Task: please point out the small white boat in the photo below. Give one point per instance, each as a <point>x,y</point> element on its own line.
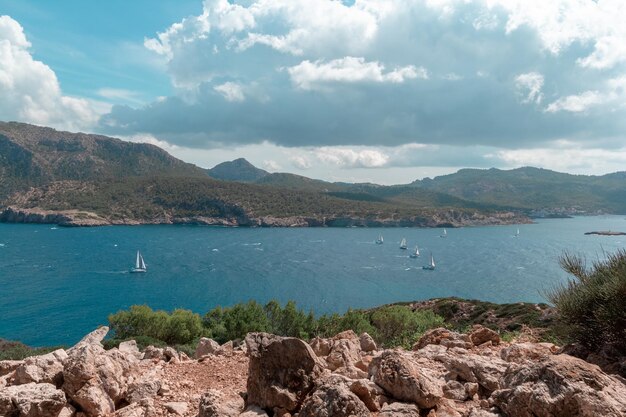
<point>445,233</point>
<point>416,254</point>
<point>380,240</point>
<point>403,244</point>
<point>517,233</point>
<point>431,265</point>
<point>140,265</point>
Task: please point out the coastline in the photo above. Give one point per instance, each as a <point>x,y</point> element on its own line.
<point>443,218</point>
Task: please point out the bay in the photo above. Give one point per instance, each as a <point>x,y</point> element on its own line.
<point>56,284</point>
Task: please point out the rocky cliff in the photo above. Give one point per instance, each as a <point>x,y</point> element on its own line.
<point>444,374</point>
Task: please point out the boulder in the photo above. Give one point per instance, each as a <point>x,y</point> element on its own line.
<point>281,372</point>
<point>320,346</point>
<point>215,404</point>
<point>484,370</point>
<point>522,352</point>
<point>205,347</point>
<point>32,400</point>
<point>253,411</point>
<point>94,338</point>
<point>560,386</point>
<point>367,343</point>
<point>179,408</point>
<point>7,367</point>
<point>333,399</point>
<point>44,368</point>
<point>402,378</point>
<point>371,394</point>
<point>171,355</point>
<point>346,335</point>
<point>153,353</point>
<point>147,386</point>
<point>481,334</point>
<point>343,353</point>
<point>479,412</point>
<point>130,347</point>
<point>399,410</point>
<point>454,390</point>
<point>442,336</point>
<point>144,408</point>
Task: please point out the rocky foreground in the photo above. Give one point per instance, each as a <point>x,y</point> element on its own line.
<point>446,374</point>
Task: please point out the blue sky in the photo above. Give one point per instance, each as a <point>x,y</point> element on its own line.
<point>372,90</point>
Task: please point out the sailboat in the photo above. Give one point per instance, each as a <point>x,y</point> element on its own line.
<point>140,265</point>
<point>517,233</point>
<point>403,244</point>
<point>445,233</point>
<point>415,254</point>
<point>431,266</point>
<point>380,240</point>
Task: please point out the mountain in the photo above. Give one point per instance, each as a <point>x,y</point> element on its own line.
<point>237,170</point>
<point>531,188</point>
<point>34,156</point>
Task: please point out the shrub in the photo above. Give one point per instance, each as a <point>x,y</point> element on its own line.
<point>592,303</point>
<point>399,326</point>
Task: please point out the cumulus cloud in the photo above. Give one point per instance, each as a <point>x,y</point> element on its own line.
<point>351,158</point>
<point>332,73</point>
<point>30,90</point>
<point>307,75</point>
<point>530,85</point>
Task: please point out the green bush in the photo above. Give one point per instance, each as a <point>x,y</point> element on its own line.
<point>179,327</point>
<point>592,303</point>
<point>399,326</point>
<point>10,350</point>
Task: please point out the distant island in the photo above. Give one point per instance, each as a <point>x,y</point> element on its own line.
<point>606,233</point>
<point>77,179</point>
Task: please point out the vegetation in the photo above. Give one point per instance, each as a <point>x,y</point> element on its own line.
<point>10,350</point>
<point>592,303</point>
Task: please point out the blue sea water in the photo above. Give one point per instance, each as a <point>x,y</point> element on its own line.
<point>56,283</point>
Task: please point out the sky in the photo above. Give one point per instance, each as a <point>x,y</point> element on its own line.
<point>384,91</point>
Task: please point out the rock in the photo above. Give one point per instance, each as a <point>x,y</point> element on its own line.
<point>96,379</point>
<point>454,390</point>
<point>401,377</point>
<point>67,411</point>
<point>333,400</point>
<point>351,372</point>
<point>32,400</point>
<point>171,355</point>
<point>253,411</point>
<point>144,408</point>
<point>178,408</point>
<point>214,404</point>
<point>479,412</point>
<point>442,336</point>
<point>399,410</point>
<point>152,352</point>
<point>320,346</point>
<point>205,347</point>
<point>367,343</point>
<point>521,352</point>
<point>471,388</point>
<point>130,347</point>
<point>343,353</point>
<point>282,371</point>
<point>7,367</point>
<point>560,386</point>
<point>148,386</point>
<point>481,334</point>
<point>94,338</point>
<point>227,348</point>
<point>371,394</point>
<point>484,370</point>
<point>346,335</point>
<point>446,408</point>
<point>44,368</point>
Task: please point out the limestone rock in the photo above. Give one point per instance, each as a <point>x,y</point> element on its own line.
<point>214,404</point>
<point>367,343</point>
<point>130,347</point>
<point>371,394</point>
<point>454,390</point>
<point>442,336</point>
<point>152,352</point>
<point>253,411</point>
<point>481,334</point>
<point>400,376</point>
<point>320,346</point>
<point>521,352</point>
<point>479,412</point>
<point>148,386</point>
<point>171,355</point>
<point>144,408</point>
<point>178,408</point>
<point>7,367</point>
<point>346,335</point>
<point>399,410</point>
<point>205,347</point>
<point>484,370</point>
<point>343,353</point>
<point>32,400</point>
<point>94,338</point>
<point>560,386</point>
<point>333,400</point>
<point>282,371</point>
<point>44,368</point>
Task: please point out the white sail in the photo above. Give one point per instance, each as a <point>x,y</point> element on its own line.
<point>139,261</point>
<point>403,244</point>
<point>380,239</point>
<point>432,261</point>
<point>517,233</point>
<point>445,232</point>
<point>417,251</point>
<point>142,263</point>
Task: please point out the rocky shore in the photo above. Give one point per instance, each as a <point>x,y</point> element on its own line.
<point>443,218</point>
<point>445,374</point>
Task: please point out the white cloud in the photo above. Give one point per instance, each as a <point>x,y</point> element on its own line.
<point>30,90</point>
<point>351,158</point>
<point>120,94</point>
<point>231,91</point>
<point>152,140</point>
<point>530,85</point>
<point>271,165</point>
<point>300,162</point>
<point>307,75</point>
<point>576,103</point>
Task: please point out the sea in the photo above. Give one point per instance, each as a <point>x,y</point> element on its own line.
<point>57,283</point>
